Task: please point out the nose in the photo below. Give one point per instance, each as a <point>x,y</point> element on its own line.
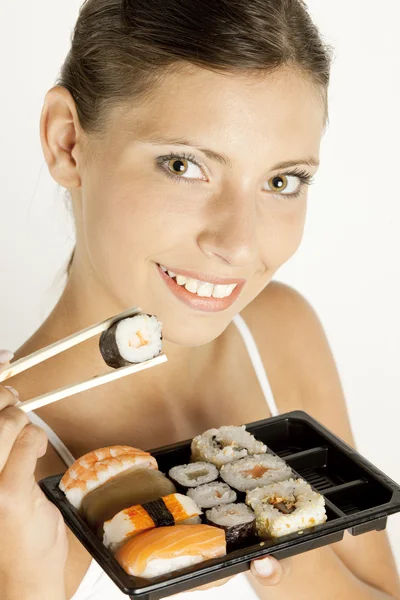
<point>231,231</point>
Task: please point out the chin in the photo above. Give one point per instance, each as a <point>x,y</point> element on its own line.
<point>184,330</point>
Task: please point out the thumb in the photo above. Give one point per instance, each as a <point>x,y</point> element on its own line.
<point>5,357</point>
<point>268,571</point>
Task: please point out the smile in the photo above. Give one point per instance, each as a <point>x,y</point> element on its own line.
<point>201,288</point>
<point>202,292</point>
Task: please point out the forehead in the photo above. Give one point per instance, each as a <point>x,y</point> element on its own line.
<point>282,112</point>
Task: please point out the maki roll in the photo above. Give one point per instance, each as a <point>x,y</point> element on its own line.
<point>255,471</point>
<point>212,494</point>
<point>131,340</point>
<point>237,520</point>
<point>166,549</point>
<point>169,510</point>
<point>194,474</point>
<point>224,445</point>
<point>286,507</point>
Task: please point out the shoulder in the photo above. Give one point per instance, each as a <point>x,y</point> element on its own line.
<point>297,356</point>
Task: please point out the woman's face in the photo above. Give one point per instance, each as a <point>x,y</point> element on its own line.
<point>207,180</point>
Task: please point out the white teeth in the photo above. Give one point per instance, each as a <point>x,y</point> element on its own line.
<point>219,291</point>
<point>192,285</point>
<point>181,280</point>
<point>201,288</point>
<point>229,289</point>
<point>205,289</point>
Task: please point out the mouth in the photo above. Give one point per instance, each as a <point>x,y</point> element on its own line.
<point>200,291</point>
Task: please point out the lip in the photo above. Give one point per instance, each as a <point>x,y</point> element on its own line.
<point>206,278</point>
<point>198,302</point>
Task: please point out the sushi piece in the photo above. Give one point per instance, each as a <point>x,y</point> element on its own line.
<point>134,486</point>
<point>255,471</point>
<point>212,494</point>
<point>224,445</point>
<point>131,340</point>
<point>166,549</point>
<point>194,474</point>
<point>165,511</point>
<point>237,520</point>
<point>96,467</point>
<point>286,507</point>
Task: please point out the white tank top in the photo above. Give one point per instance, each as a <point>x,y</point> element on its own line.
<point>96,585</point>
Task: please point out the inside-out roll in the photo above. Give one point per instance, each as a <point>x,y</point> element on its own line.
<point>255,471</point>
<point>224,445</point>
<point>286,507</point>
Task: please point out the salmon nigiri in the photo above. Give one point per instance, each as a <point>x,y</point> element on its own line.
<point>160,551</point>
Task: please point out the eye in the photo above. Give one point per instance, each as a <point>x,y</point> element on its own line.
<point>284,184</point>
<point>181,166</point>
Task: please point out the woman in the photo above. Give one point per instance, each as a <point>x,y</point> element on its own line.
<point>187,134</point>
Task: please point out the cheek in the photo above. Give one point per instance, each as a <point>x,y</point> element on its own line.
<point>282,233</point>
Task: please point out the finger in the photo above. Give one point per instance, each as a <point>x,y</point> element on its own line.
<point>208,586</point>
<point>268,571</point>
<point>12,422</point>
<point>8,396</point>
<point>18,473</point>
<point>5,357</point>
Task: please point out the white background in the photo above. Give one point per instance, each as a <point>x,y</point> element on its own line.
<point>348,263</point>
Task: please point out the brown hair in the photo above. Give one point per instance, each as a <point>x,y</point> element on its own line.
<point>120,48</point>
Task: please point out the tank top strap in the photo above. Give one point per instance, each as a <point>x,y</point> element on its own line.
<point>54,440</point>
<point>257,363</point>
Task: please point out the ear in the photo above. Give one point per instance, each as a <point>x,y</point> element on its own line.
<point>59,134</point>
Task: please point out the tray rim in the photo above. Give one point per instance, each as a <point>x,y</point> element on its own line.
<point>245,555</point>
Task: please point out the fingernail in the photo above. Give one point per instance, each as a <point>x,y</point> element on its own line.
<point>6,356</point>
<point>264,567</point>
<point>13,391</point>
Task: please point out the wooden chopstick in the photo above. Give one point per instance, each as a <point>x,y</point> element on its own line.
<point>70,390</point>
<point>73,340</point>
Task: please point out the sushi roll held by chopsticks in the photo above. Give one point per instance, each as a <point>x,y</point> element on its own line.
<point>131,340</point>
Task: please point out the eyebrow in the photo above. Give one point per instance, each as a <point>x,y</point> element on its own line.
<point>224,159</point>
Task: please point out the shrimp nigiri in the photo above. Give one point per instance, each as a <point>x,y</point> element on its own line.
<point>93,469</point>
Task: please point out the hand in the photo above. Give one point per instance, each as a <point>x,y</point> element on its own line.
<point>268,571</point>
<point>33,534</point>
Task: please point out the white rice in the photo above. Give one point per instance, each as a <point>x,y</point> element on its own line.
<point>139,338</point>
<point>224,445</point>
<point>212,494</point>
<point>194,474</point>
<point>270,521</point>
<point>230,515</point>
<point>259,470</point>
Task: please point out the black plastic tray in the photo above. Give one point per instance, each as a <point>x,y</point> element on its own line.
<point>358,496</point>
